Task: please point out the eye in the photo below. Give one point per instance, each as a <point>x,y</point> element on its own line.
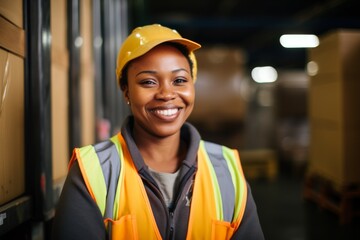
<point>147,82</point>
<point>180,80</point>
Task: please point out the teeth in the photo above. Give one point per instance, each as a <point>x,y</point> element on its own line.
<point>167,112</point>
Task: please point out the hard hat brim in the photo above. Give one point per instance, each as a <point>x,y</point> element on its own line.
<point>143,49</point>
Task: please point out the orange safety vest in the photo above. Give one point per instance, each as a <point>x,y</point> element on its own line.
<point>128,214</point>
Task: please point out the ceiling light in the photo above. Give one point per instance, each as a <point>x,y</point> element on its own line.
<point>299,41</point>
<point>266,74</point>
<point>312,68</point>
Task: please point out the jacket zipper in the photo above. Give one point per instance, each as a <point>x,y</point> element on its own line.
<point>173,206</point>
<point>147,178</point>
<point>181,187</point>
<point>171,223</point>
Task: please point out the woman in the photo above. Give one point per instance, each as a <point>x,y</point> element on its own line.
<point>156,179</point>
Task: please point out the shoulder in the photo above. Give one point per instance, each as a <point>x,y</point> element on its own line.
<point>250,227</point>
<point>218,149</point>
<point>100,147</point>
<point>77,215</point>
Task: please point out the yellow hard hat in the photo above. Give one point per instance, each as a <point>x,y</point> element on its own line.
<point>143,39</point>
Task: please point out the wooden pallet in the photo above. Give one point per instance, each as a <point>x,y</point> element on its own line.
<point>343,201</point>
<point>259,163</point>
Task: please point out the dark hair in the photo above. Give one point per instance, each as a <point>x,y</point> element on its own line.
<point>178,46</point>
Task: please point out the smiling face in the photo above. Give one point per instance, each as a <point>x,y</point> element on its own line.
<point>160,90</point>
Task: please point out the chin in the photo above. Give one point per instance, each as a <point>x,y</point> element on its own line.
<point>167,131</point>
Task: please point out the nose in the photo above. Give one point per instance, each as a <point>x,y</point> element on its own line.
<point>166,92</point>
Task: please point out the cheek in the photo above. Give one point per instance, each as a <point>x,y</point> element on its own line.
<point>136,94</point>
<point>189,95</point>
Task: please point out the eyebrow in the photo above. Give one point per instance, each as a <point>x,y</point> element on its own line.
<point>179,70</point>
<point>146,71</point>
<point>154,72</point>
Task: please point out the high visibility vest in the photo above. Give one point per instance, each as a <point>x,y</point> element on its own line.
<point>218,200</point>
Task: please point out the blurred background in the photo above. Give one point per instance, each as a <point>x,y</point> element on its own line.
<point>291,111</point>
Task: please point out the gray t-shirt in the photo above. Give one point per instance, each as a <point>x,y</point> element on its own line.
<point>167,183</point>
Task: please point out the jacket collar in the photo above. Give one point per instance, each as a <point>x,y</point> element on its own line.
<point>188,133</point>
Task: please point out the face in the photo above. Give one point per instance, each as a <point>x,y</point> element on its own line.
<point>160,91</point>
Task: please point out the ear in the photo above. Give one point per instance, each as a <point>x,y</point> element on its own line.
<point>126,94</point>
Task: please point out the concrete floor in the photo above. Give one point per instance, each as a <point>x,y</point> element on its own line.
<point>285,215</point>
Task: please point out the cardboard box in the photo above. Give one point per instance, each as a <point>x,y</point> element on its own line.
<point>59,91</point>
<point>219,96</point>
<point>12,173</point>
<point>87,80</point>
<point>59,121</point>
<point>334,108</point>
<point>13,11</point>
<point>326,99</point>
<point>259,163</point>
<point>327,151</point>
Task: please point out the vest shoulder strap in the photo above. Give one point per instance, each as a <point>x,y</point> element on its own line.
<point>229,181</point>
<point>100,165</point>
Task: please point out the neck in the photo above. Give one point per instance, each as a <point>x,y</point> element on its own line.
<point>163,154</point>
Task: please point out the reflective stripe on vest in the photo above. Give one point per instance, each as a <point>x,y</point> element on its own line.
<point>217,205</point>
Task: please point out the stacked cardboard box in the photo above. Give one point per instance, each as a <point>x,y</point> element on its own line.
<point>59,90</point>
<point>12,45</point>
<point>334,111</point>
